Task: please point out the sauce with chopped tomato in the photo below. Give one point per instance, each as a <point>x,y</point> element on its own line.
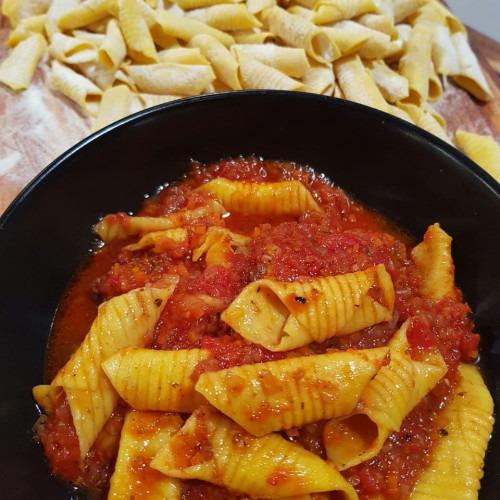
<point>344,238</point>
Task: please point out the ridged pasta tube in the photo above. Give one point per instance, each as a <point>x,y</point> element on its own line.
<point>113,50</point>
<point>197,4</point>
<point>123,321</point>
<point>26,28</point>
<point>115,104</point>
<point>71,50</point>
<point>405,8</point>
<point>160,240</point>
<point>483,149</point>
<point>226,17</point>
<point>143,435</point>
<point>261,198</point>
<point>282,316</point>
<point>396,389</point>
<point>444,53</point>
<point>119,226</point>
<point>219,242</point>
<point>435,263</point>
<point>319,79</point>
<point>17,70</point>
<point>17,10</point>
<point>392,85</point>
<point>149,379</point>
<point>456,463</point>
<point>267,397</point>
<point>347,41</point>
<point>88,12</point>
<point>212,448</point>
<point>331,11</point>
<point>425,120</point>
<point>299,32</point>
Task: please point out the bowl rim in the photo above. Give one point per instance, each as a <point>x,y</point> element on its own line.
<point>460,159</point>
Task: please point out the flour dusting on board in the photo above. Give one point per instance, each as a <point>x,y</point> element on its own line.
<point>37,126</point>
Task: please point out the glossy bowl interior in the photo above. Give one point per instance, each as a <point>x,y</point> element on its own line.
<point>403,172</point>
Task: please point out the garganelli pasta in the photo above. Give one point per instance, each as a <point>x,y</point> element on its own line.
<point>257,334</point>
<point>166,50</point>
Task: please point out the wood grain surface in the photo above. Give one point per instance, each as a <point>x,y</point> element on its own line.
<point>37,125</point>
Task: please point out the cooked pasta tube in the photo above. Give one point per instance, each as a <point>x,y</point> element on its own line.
<point>357,83</point>
<point>123,321</point>
<point>396,389</point>
<point>161,241</point>
<point>319,80</point>
<point>330,11</point>
<point>456,462</point>
<point>298,32</point>
<point>171,78</point>
<point>185,28</point>
<point>291,61</point>
<point>414,65</point>
<point>143,435</point>
<point>392,85</point>
<point>262,198</point>
<point>267,397</point>
<point>220,242</point>
<point>133,24</point>
<point>404,8</point>
<point>17,10</point>
<point>83,14</point>
<point>119,226</point>
<point>75,86</point>
<point>115,104</point>
<point>113,50</point>
<point>223,62</point>
<point>226,17</point>
<point>470,76</point>
<point>378,45</point>
<point>71,50</point>
<point>18,68</point>
<point>148,379</point>
<point>212,448</point>
<point>257,75</point>
<point>283,316</point>
<point>347,41</point>
<point>435,263</point>
<point>183,55</point>
<point>26,28</point>
<point>483,149</point>
<point>425,120</point>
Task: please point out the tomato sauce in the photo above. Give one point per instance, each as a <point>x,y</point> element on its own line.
<point>345,238</point>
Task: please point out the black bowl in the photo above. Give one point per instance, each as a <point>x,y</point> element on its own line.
<point>396,168</point>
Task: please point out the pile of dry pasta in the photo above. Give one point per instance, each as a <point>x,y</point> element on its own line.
<point>115,57</point>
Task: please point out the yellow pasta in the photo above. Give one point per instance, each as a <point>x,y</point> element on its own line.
<point>379,22</point>
<point>71,50</point>
<point>261,198</point>
<point>264,467</point>
<point>171,78</point>
<point>283,316</point>
<point>115,104</point>
<point>444,54</point>
<point>223,62</point>
<point>226,17</point>
<point>122,321</point>
<point>101,76</point>
<point>56,10</point>
<point>291,61</point>
<point>148,379</point>
<point>425,120</point>
<point>456,465</point>
<point>143,435</point>
<point>435,12</point>
<point>26,28</point>
<point>75,86</point>
<point>119,226</point>
<point>160,240</point>
<point>396,389</point>
<point>319,79</point>
<point>483,149</point>
<point>253,37</point>
<point>470,76</point>
<point>257,75</point>
<point>18,10</point>
<point>435,85</point>
<point>267,397</point>
<point>87,12</point>
<point>347,41</point>
<point>405,8</point>
<point>185,28</point>
<point>391,84</point>
<point>183,55</point>
<point>95,39</point>
<point>148,100</point>
<point>357,83</point>
<point>197,4</point>
<point>435,263</point>
<point>299,32</point>
<point>330,11</point>
<point>17,70</point>
<point>218,244</point>
<point>113,50</point>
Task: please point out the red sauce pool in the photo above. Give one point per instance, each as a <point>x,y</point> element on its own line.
<point>345,238</point>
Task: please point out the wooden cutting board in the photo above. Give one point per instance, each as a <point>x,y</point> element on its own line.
<point>38,125</point>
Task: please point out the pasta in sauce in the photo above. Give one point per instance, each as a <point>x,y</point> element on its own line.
<point>260,334</point>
